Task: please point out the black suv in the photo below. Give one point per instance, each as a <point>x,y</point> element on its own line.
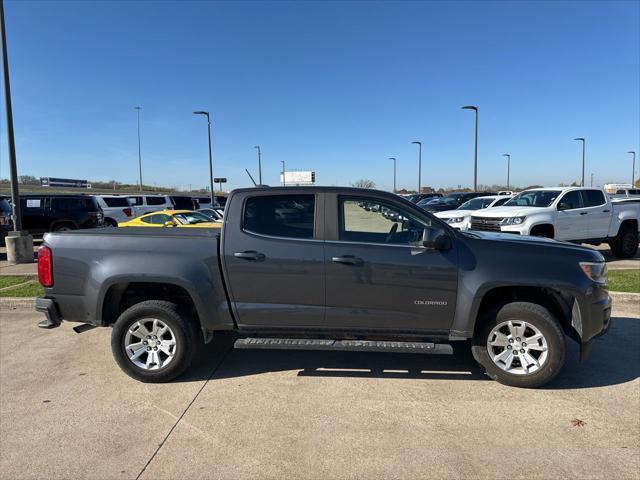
<point>57,213</point>
<point>450,201</point>
<point>418,197</point>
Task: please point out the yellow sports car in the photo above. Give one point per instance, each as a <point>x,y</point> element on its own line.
<point>172,218</point>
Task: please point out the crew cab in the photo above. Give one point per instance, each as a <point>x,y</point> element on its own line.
<point>576,214</point>
<point>333,276</point>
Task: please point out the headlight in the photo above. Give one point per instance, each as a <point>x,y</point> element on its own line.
<point>595,271</point>
<point>513,221</point>
<point>455,220</point>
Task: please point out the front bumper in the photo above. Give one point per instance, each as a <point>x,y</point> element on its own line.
<point>592,321</point>
<point>49,308</point>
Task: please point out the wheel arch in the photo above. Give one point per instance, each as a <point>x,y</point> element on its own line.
<point>559,303</point>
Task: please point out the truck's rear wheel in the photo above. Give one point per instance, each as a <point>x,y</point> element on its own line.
<point>625,244</point>
<point>521,345</point>
<point>154,341</point>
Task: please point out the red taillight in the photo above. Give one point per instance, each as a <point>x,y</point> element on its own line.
<point>127,211</point>
<point>45,269</point>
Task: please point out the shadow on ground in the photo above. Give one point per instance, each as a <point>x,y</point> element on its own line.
<point>614,359</point>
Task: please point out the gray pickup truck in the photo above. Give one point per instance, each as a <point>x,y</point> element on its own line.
<point>318,268</point>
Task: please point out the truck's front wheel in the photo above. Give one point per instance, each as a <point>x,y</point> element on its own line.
<point>154,341</point>
<point>520,345</point>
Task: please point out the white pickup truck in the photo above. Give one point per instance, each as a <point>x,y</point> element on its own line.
<point>577,214</point>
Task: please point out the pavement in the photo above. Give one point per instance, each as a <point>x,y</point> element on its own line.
<point>67,411</point>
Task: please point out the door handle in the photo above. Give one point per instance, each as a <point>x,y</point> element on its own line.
<point>606,211</point>
<point>250,255</point>
<point>583,213</point>
<point>347,260</point>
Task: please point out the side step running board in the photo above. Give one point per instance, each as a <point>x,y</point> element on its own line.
<point>344,345</point>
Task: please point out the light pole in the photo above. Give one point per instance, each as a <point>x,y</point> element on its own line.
<point>583,149</point>
<point>508,166</point>
<point>284,181</point>
<point>19,243</point>
<point>210,157</point>
<point>139,149</point>
<point>591,180</point>
<point>475,154</point>
<point>419,165</point>
<point>394,173</point>
<point>259,165</point>
<point>633,170</point>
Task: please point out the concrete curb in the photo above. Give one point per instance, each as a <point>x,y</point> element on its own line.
<point>17,303</point>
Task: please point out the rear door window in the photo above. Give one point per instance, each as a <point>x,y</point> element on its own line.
<point>593,198</point>
<point>289,216</point>
<point>135,200</point>
<point>116,201</point>
<point>155,201</point>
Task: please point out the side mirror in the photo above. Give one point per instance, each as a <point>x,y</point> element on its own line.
<point>564,206</point>
<point>435,239</point>
<point>169,223</point>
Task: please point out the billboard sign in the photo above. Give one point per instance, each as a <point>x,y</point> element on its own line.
<point>64,182</point>
<point>298,178</point>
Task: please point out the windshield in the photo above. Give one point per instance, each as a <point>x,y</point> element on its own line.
<point>191,218</point>
<point>449,199</point>
<point>476,204</point>
<point>533,198</point>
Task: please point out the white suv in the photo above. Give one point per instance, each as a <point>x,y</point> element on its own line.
<point>116,208</point>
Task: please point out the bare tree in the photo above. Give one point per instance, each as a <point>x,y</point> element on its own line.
<point>364,183</point>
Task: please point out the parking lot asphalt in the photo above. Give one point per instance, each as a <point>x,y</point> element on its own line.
<point>66,411</point>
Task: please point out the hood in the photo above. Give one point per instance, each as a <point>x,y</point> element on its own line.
<point>514,211</point>
<point>454,213</point>
<point>439,207</point>
<point>589,253</point>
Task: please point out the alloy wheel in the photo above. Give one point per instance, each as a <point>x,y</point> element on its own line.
<point>150,344</point>
<point>517,347</point>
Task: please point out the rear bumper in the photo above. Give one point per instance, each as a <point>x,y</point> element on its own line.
<point>50,309</point>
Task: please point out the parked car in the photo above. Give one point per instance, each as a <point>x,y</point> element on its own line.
<point>417,197</point>
<point>460,218</point>
<point>6,225</point>
<point>116,209</point>
<point>172,218</point>
<point>152,203</point>
<point>57,213</point>
<point>450,201</point>
<point>577,214</point>
<point>627,193</point>
<point>214,214</point>
<point>333,279</point>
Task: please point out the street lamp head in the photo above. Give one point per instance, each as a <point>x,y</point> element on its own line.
<point>137,108</point>
<point>417,143</point>
<point>506,155</point>
<point>470,107</point>
<point>631,151</point>
<point>392,158</point>
<point>579,138</point>
<point>201,112</point>
<point>257,146</point>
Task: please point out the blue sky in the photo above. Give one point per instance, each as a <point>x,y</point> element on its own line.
<point>336,87</point>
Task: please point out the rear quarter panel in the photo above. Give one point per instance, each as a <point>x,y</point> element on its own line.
<point>87,263</point>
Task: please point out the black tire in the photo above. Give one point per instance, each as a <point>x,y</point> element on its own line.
<point>540,318</point>
<point>110,222</point>
<point>63,227</point>
<point>625,244</point>
<point>183,327</point>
